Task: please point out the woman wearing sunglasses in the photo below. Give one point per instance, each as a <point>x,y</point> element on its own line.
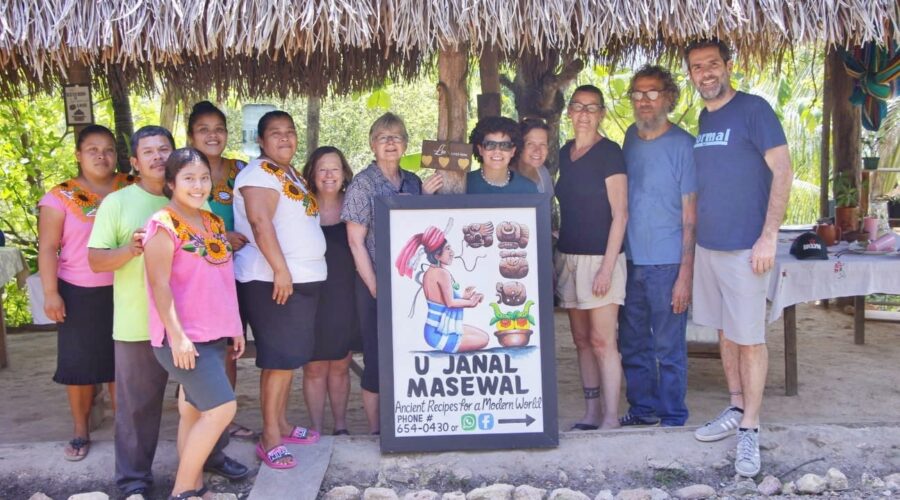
<point>497,141</point>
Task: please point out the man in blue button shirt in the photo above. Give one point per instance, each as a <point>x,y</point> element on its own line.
<point>662,202</point>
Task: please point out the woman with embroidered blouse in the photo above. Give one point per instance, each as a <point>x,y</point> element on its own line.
<point>280,274</point>
<point>77,299</point>
<point>208,133</point>
<point>192,311</point>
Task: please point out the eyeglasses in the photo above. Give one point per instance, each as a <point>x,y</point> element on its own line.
<point>577,107</point>
<point>503,145</point>
<point>384,139</point>
<point>653,95</point>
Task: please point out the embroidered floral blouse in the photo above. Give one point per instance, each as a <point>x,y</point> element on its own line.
<point>79,204</point>
<point>221,198</point>
<point>202,278</point>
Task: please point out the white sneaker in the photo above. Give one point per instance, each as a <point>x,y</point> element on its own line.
<point>747,461</point>
<point>720,427</point>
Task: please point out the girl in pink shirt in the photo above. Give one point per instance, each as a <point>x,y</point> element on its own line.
<point>77,299</point>
<point>192,311</point>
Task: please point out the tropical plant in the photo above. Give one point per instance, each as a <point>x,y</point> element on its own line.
<point>846,194</point>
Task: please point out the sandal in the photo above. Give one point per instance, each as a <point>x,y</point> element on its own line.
<point>185,495</point>
<point>72,451</point>
<point>301,435</point>
<point>340,432</point>
<point>238,431</point>
<point>277,453</point>
<point>584,427</point>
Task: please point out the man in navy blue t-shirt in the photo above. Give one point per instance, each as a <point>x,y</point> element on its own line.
<point>743,184</point>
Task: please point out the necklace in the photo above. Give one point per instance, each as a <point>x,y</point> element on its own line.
<point>508,177</point>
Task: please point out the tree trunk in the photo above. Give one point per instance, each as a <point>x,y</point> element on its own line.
<point>538,89</point>
<point>846,125</point>
<point>313,109</point>
<point>489,72</point>
<point>78,74</point>
<point>453,102</point>
<point>168,109</point>
<point>118,94</point>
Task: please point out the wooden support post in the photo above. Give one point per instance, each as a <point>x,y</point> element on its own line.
<point>4,357</point>
<point>825,160</point>
<point>859,319</point>
<point>313,111</point>
<point>790,351</point>
<point>489,71</point>
<point>453,102</point>
<point>77,73</point>
<point>845,119</point>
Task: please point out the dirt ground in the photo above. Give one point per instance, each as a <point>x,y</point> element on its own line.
<point>840,382</point>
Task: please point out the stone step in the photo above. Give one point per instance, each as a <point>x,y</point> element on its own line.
<point>301,482</point>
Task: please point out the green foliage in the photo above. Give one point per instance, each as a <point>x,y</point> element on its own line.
<point>845,192</point>
<point>36,153</point>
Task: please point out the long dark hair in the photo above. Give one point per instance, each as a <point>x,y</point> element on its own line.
<point>177,161</point>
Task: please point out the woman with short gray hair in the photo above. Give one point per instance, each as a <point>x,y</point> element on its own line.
<point>388,140</point>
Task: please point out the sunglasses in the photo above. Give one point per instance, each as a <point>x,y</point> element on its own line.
<point>503,145</point>
<point>653,95</point>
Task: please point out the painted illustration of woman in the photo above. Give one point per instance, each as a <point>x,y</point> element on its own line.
<point>444,329</point>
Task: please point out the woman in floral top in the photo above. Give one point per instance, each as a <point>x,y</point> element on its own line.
<point>79,300</point>
<point>192,311</point>
<point>280,273</point>
<point>208,133</point>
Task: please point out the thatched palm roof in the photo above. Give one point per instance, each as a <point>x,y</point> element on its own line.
<point>303,46</point>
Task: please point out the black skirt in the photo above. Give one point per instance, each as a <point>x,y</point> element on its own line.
<point>337,326</point>
<point>84,340</point>
<point>283,333</point>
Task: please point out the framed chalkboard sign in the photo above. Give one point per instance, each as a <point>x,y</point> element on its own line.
<point>465,322</point>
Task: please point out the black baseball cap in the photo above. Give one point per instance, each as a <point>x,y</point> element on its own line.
<point>809,246</point>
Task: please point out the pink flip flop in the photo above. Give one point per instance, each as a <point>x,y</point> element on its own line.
<point>301,435</point>
<point>277,453</point>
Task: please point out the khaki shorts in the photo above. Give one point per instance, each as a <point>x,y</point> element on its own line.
<point>728,296</point>
<point>575,281</point>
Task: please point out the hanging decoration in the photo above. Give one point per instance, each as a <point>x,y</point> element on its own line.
<point>877,73</point>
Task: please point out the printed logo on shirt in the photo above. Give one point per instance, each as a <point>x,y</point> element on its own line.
<point>713,139</point>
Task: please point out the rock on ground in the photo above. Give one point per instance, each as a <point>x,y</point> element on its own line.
<point>635,494</point>
<point>695,492</point>
<point>604,495</point>
<point>567,494</point>
<point>789,488</point>
<point>93,495</point>
<point>39,496</point>
<point>658,494</point>
<point>454,495</point>
<point>342,493</point>
<point>892,481</point>
<point>836,480</point>
<point>742,488</point>
<point>770,485</point>
<point>379,494</point>
<point>811,484</point>
<point>872,481</point>
<point>422,495</point>
<point>658,464</point>
<point>527,492</point>
<point>497,491</point>
<point>224,496</point>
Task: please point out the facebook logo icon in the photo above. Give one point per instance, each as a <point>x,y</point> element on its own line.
<point>485,421</point>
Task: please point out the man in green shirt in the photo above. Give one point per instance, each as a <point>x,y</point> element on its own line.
<point>115,246</point>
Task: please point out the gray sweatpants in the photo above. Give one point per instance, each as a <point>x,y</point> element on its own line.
<point>140,389</point>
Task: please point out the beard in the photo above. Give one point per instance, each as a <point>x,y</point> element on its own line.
<point>715,92</point>
<point>650,124</point>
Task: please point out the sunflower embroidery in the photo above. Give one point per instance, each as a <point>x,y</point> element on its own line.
<point>82,202</point>
<point>212,246</point>
<point>223,192</point>
<point>297,191</point>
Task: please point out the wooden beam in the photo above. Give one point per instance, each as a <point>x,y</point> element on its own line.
<point>845,119</point>
<point>77,73</point>
<point>313,111</point>
<point>489,73</point>
<point>453,103</point>
<point>118,93</point>
<point>825,155</point>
